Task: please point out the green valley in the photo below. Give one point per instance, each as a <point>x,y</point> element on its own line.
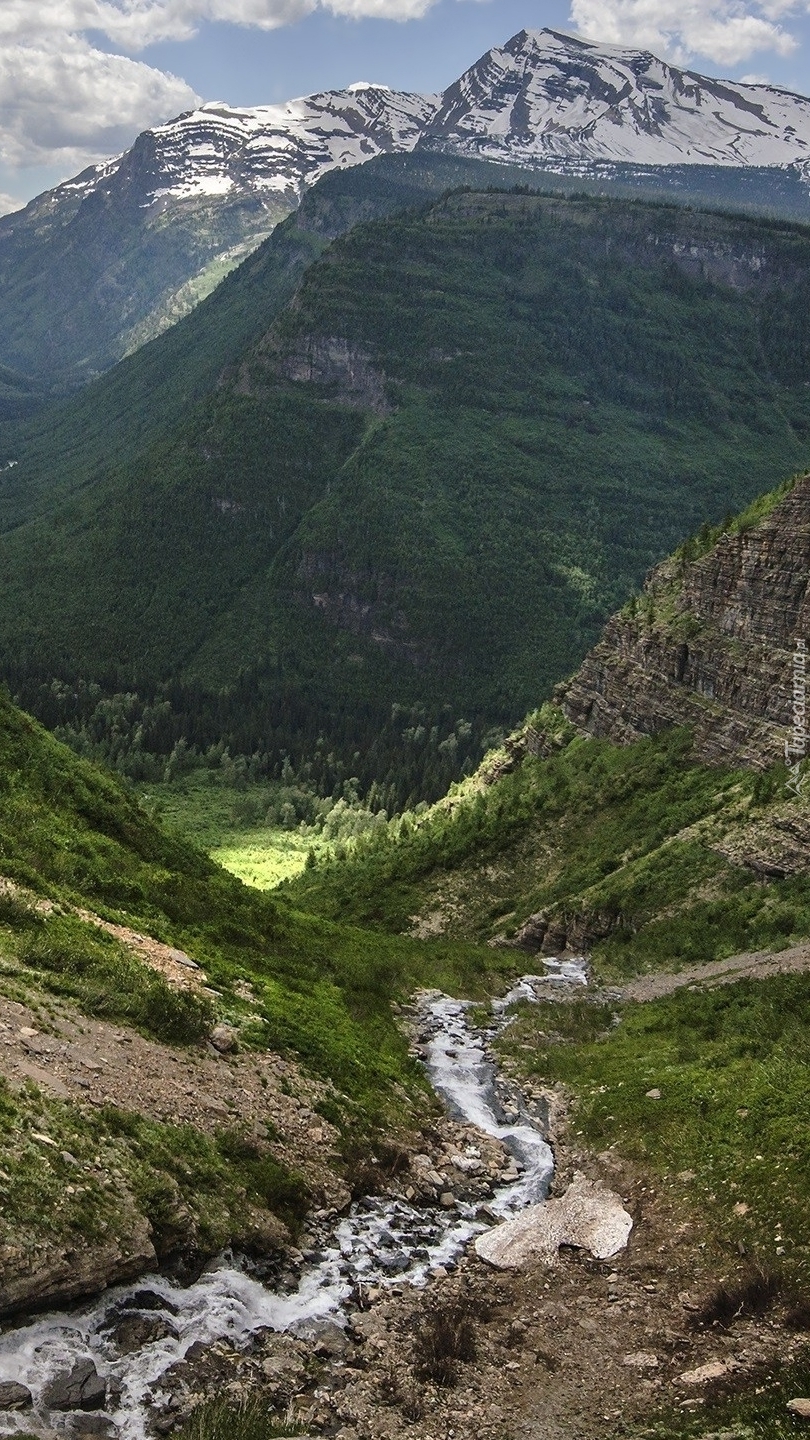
<point>661,850</point>
<point>404,835</point>
<point>639,844</point>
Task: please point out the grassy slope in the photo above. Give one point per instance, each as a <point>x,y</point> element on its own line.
<point>198,1193</point>
<point>617,844</point>
<point>733,1068</point>
<point>728,1141</point>
<point>323,993</point>
<point>567,406</point>
<point>72,834</point>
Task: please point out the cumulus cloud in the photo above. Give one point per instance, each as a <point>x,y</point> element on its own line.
<point>134,24</point>
<point>380,9</point>
<point>723,31</point>
<point>63,101</point>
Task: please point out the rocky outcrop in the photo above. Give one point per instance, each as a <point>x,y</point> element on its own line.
<point>557,933</point>
<point>57,1276</point>
<point>710,644</point>
<point>347,372</point>
<point>365,603</point>
<point>133,1332</point>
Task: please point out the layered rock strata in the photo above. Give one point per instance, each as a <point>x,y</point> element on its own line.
<point>717,644</point>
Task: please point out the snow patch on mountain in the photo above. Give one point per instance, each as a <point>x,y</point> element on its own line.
<point>545,100</point>
<point>285,148</point>
<point>367,85</point>
<point>548,97</point>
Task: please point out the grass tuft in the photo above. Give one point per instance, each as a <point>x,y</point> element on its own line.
<point>445,1338</point>
<point>222,1420</point>
<point>754,1294</point>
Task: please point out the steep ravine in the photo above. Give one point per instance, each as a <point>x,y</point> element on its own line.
<point>117,1359</point>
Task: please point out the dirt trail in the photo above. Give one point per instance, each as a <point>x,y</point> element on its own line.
<point>174,965</point>
<point>92,1063</point>
<point>755,965</point>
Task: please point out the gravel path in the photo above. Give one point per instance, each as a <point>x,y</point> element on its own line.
<point>756,965</point>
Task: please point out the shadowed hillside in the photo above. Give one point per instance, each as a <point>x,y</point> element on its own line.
<point>459,446</point>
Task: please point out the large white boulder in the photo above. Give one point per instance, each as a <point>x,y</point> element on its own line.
<point>588,1216</point>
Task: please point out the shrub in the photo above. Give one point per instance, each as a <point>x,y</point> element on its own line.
<point>445,1337</point>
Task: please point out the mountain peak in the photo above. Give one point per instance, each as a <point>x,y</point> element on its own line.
<point>213,183</point>
<point>360,85</point>
<point>549,38</point>
<point>557,101</point>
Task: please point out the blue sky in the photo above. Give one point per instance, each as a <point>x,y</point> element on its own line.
<point>80,78</point>
<point>327,51</point>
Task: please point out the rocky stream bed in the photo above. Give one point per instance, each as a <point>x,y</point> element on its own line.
<point>112,1368</point>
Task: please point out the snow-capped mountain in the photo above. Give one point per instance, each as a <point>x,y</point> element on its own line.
<point>269,152</point>
<point>91,270</point>
<point>547,97</point>
<point>96,267</point>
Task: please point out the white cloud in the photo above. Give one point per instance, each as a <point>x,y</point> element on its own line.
<point>380,9</point>
<point>63,101</point>
<point>8,204</point>
<point>137,23</point>
<point>723,31</point>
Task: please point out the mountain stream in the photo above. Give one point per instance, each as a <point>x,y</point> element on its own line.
<point>380,1241</point>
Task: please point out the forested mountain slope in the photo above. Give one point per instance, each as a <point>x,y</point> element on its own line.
<point>93,269</point>
<point>460,446</point>
<point>140,398</point>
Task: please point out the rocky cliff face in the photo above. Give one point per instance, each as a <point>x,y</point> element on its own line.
<point>713,643</point>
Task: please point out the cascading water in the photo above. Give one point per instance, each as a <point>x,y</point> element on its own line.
<point>378,1241</point>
